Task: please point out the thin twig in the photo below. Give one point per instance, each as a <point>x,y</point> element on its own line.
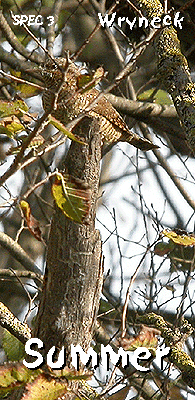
<point>50,30</point>
<point>97,27</point>
<point>172,175</point>
<point>120,254</point>
<point>18,159</point>
<point>14,42</point>
<point>19,80</point>
<point>37,185</point>
<point>7,273</point>
<point>124,312</point>
<point>186,5</point>
<point>114,45</point>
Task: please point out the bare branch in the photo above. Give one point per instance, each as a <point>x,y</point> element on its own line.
<point>15,43</point>
<point>142,109</point>
<point>18,253</point>
<point>8,320</point>
<point>21,274</point>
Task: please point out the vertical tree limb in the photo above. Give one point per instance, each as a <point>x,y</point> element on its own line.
<point>73,278</point>
<point>173,70</point>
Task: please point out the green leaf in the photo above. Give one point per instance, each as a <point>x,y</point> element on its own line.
<point>162,248</point>
<point>44,388</point>
<point>63,16</point>
<point>17,107</point>
<point>61,127</point>
<point>105,307</point>
<point>13,348</point>
<point>13,376</point>
<point>153,96</point>
<point>83,81</point>
<point>27,90</point>
<point>10,126</point>
<point>72,196</point>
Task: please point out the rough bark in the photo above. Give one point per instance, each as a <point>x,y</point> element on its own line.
<point>175,339</point>
<point>73,278</point>
<point>173,70</point>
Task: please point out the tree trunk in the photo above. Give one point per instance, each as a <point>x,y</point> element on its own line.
<point>73,278</point>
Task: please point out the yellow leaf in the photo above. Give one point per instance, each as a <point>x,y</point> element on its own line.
<point>87,82</point>
<point>153,96</point>
<point>27,90</point>
<point>32,223</point>
<point>13,376</point>
<point>13,348</point>
<point>184,239</point>
<point>72,196</point>
<point>65,131</point>
<point>17,107</point>
<point>44,388</point>
<point>10,126</point>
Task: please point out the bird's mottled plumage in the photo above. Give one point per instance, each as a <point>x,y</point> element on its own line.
<point>72,102</point>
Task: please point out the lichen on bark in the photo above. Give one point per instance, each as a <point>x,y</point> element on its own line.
<point>173,71</point>
<point>174,337</point>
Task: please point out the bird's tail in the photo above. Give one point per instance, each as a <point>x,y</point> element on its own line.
<point>139,142</point>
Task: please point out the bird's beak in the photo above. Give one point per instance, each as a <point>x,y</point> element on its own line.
<point>35,72</point>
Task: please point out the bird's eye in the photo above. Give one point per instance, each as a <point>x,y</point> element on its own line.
<point>42,71</point>
<point>46,74</point>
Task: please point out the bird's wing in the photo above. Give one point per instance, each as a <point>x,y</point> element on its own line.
<point>105,109</point>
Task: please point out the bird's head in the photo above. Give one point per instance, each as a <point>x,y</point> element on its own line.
<point>56,71</point>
